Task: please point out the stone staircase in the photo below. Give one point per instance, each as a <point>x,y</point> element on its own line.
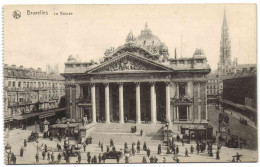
<point>121,133</point>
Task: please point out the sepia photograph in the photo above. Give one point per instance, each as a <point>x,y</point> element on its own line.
<point>118,84</point>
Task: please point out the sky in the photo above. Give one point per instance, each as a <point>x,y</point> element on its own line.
<point>37,40</point>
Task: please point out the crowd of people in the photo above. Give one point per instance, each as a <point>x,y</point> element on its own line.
<point>174,146</point>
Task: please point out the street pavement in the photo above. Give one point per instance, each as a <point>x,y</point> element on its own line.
<point>245,131</point>
<point>17,136</point>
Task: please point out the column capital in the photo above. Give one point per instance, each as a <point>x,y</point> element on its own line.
<point>106,83</point>
<point>152,83</point>
<point>120,83</point>
<point>92,84</point>
<point>137,83</point>
<point>167,83</point>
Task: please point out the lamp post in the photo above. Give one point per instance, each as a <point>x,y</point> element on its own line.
<point>167,126</point>
<point>8,151</point>
<point>68,123</point>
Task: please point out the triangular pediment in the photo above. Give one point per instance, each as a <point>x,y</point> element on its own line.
<point>129,62</point>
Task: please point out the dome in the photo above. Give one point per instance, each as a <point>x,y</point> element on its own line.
<point>149,41</point>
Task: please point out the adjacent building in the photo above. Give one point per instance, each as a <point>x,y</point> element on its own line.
<point>28,91</point>
<point>240,92</point>
<point>139,81</point>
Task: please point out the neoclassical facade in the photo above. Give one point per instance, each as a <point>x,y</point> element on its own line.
<point>138,81</point>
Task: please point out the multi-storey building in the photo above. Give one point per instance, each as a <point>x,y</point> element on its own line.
<point>28,90</point>
<point>139,81</point>
<point>214,89</point>
<point>240,92</point>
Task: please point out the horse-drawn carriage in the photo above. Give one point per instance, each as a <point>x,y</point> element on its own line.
<point>113,154</point>
<point>33,137</point>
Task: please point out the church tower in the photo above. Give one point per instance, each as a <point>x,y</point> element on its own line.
<point>225,66</point>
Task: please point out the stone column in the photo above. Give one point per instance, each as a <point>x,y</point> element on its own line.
<point>153,103</point>
<point>177,112</point>
<point>107,112</point>
<point>121,102</point>
<point>206,101</point>
<point>199,112</point>
<point>138,104</point>
<point>168,102</point>
<point>187,113</point>
<point>93,102</point>
<point>177,90</point>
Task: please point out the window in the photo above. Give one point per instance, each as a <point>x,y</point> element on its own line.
<point>182,90</point>
<point>19,84</point>
<point>9,83</point>
<point>14,84</point>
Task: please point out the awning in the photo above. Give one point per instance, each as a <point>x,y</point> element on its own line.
<point>46,115</point>
<point>43,114</point>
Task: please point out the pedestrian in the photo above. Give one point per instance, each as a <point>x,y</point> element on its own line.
<point>84,147</point>
<point>126,145</point>
<point>43,155</point>
<point>159,149</point>
<point>177,150</point>
<point>48,155</point>
<point>178,138</point>
<point>186,152</point>
<point>52,156</point>
<point>101,147</point>
<point>92,160</point>
<point>138,143</point>
<point>233,160</point>
<point>99,144</point>
<point>144,146</point>
<point>177,160</point>
<point>79,158</point>
<point>217,155</point>
<point>99,158</point>
<point>45,148</point>
<point>25,143</point>
<point>151,159</point>
<point>117,159</point>
<point>141,132</point>
<point>148,152</point>
<point>95,159</point>
<point>59,157</point>
<point>191,149</point>
<point>164,160</point>
<point>182,142</point>
<point>89,157</point>
<point>155,159</point>
<point>14,159</point>
<point>21,152</point>
<point>198,148</point>
<point>111,143</point>
<point>133,151</point>
<point>103,158</point>
<point>107,148</point>
<point>138,148</point>
<point>144,159</point>
<point>126,159</point>
<point>37,157</point>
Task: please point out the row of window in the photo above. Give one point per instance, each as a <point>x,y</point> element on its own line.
<point>12,84</point>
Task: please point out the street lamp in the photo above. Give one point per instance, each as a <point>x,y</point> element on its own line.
<point>68,123</point>
<point>8,151</point>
